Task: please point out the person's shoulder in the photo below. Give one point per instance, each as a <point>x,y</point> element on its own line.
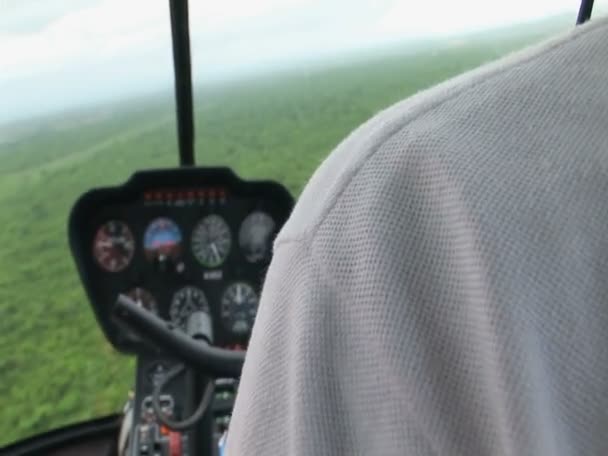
<point>478,110</point>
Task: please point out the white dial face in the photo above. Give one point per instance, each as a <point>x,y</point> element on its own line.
<point>211,241</point>
<point>239,308</point>
<point>255,236</point>
<point>185,302</point>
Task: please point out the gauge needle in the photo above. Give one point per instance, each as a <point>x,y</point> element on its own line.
<point>239,294</point>
<point>216,253</point>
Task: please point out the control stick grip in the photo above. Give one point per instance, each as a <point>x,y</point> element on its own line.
<point>197,354</point>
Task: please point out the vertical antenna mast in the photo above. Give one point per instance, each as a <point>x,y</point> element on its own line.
<point>180,33</point>
<point>584,12</point>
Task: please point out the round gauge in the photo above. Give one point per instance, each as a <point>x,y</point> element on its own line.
<point>211,241</point>
<point>162,240</point>
<point>185,302</point>
<point>143,298</point>
<point>239,307</point>
<point>113,246</point>
<point>255,236</point>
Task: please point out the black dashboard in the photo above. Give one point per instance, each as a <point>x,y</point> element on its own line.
<point>178,241</point>
<point>191,246</point>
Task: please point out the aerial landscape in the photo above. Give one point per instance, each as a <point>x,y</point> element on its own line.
<point>55,364</point>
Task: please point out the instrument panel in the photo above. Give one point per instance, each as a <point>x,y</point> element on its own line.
<point>179,241</point>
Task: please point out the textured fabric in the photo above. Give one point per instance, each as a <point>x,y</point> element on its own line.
<point>441,287</point>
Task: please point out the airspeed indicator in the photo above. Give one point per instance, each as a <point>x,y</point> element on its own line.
<point>113,246</point>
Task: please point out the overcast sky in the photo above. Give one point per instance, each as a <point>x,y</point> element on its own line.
<point>58,53</point>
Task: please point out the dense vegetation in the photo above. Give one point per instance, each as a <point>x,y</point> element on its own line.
<point>55,366</point>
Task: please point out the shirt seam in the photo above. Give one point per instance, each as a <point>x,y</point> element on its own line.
<point>311,233</point>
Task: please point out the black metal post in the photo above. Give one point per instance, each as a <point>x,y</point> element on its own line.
<point>584,12</point>
<point>183,80</point>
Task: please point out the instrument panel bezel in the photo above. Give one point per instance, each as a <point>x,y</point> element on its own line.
<point>84,219</point>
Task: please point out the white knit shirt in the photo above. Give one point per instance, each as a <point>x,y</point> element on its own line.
<point>441,287</point>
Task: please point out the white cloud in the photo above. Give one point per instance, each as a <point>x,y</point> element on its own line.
<point>82,36</point>
<point>220,15</point>
<point>107,42</point>
<point>111,29</point>
<point>448,17</point>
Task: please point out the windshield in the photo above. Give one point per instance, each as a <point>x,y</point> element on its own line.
<point>86,89</point>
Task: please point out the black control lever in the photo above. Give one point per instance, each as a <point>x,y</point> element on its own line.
<point>197,354</point>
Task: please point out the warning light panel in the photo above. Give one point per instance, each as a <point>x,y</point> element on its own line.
<point>185,196</point>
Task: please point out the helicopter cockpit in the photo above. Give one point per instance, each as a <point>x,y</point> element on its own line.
<point>173,263</point>
<point>190,246</point>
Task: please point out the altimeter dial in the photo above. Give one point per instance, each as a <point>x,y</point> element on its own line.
<point>211,241</point>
